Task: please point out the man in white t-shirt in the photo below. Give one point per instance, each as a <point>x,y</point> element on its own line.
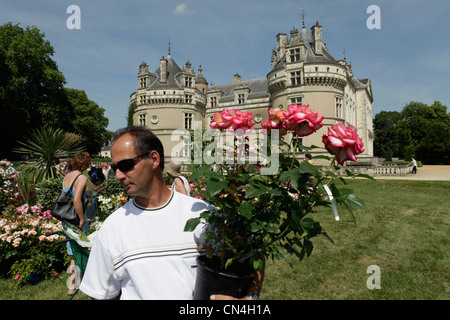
<point>141,250</point>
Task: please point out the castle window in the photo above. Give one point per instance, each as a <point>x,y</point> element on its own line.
<point>188,121</point>
<point>294,55</point>
<point>338,107</point>
<point>296,100</point>
<point>213,101</point>
<point>142,83</point>
<point>296,78</point>
<point>241,98</point>
<point>142,99</point>
<point>188,98</point>
<point>188,82</point>
<point>143,119</point>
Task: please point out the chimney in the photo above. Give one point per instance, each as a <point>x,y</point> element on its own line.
<point>237,79</point>
<point>163,70</point>
<point>316,32</point>
<point>281,44</point>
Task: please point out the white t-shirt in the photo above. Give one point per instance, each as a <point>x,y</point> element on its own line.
<point>144,253</point>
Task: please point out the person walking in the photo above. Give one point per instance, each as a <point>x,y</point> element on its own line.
<point>414,165</point>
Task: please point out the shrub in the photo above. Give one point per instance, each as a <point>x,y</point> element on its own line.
<point>48,191</point>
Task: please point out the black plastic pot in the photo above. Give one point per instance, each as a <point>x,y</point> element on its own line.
<point>211,282</point>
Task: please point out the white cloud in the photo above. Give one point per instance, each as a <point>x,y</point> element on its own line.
<point>180,9</point>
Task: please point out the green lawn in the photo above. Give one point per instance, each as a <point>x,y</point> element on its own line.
<point>404,231</point>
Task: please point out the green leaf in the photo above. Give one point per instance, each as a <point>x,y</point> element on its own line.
<point>229,262</point>
<point>290,175</point>
<point>307,223</point>
<point>214,186</point>
<point>308,246</point>
<point>246,210</point>
<point>191,224</point>
<point>256,190</point>
<point>258,265</point>
<point>255,226</point>
<point>361,175</point>
<point>355,202</point>
<point>200,172</point>
<point>345,191</point>
<point>205,215</point>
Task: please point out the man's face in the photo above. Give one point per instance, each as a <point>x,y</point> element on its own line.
<point>136,181</point>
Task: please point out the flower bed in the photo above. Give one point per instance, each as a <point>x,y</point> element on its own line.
<point>26,252</point>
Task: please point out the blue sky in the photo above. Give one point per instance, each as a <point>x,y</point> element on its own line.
<point>408,59</point>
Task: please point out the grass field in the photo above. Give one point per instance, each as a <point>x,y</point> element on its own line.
<point>404,231</point>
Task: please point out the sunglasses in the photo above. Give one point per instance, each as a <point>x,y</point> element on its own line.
<point>126,165</point>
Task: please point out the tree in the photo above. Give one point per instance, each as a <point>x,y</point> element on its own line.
<point>130,114</point>
<point>47,146</point>
<point>385,142</point>
<point>89,120</point>
<point>31,86</point>
<point>419,131</point>
<point>429,128</point>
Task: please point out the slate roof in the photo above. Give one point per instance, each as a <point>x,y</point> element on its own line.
<point>257,89</point>
<point>173,81</point>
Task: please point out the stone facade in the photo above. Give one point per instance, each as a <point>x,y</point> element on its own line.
<point>303,71</point>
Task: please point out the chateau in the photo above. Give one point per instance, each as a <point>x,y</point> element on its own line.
<point>302,71</point>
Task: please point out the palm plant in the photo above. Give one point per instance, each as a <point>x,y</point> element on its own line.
<point>47,146</point>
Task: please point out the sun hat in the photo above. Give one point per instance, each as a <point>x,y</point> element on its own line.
<point>174,169</point>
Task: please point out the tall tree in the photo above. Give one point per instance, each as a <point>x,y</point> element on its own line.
<point>418,130</point>
<point>31,86</point>
<point>385,143</point>
<point>430,129</point>
<point>130,114</point>
<point>89,120</point>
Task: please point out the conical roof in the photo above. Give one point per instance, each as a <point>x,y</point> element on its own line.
<point>172,71</point>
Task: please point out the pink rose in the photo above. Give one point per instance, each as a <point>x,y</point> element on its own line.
<point>302,120</point>
<point>232,120</point>
<point>343,142</point>
<point>276,121</point>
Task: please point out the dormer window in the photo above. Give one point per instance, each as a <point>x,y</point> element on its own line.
<point>294,55</point>
<point>188,82</point>
<point>241,98</point>
<point>213,101</point>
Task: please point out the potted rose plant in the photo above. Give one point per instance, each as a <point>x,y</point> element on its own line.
<point>259,214</point>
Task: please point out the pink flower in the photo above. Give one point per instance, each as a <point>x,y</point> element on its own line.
<point>276,121</point>
<point>17,277</point>
<point>343,142</point>
<point>302,120</point>
<point>232,120</point>
<point>36,208</point>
